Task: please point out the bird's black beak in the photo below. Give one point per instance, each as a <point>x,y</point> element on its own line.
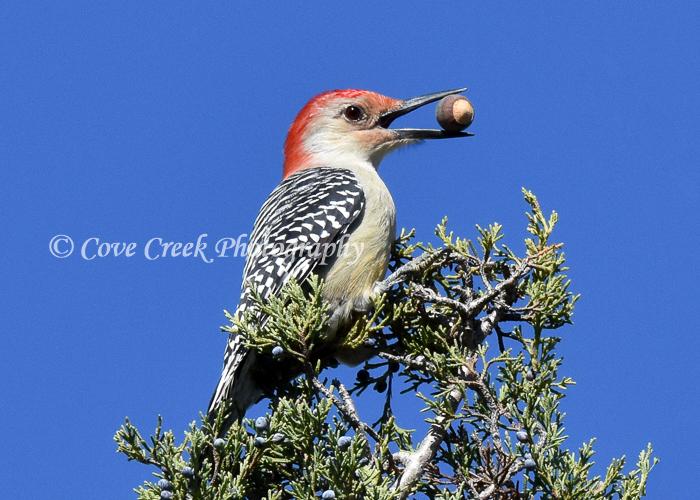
<point>419,133</point>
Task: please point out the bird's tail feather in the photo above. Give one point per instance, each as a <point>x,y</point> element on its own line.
<point>236,385</point>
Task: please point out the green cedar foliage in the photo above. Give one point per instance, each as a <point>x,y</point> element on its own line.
<point>493,429</point>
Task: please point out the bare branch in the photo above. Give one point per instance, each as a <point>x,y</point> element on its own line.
<point>346,407</point>
<point>418,461</point>
<point>414,266</point>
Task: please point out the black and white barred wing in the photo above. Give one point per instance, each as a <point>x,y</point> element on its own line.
<point>303,219</point>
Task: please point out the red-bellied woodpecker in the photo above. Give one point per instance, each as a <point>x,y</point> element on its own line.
<point>330,194</point>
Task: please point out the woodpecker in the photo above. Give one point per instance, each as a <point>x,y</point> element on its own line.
<point>330,193</point>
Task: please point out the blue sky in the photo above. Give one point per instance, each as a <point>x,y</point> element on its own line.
<point>128,121</point>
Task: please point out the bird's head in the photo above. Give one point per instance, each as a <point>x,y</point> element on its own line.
<point>344,127</point>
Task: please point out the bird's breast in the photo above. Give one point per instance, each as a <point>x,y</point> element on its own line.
<point>366,248</point>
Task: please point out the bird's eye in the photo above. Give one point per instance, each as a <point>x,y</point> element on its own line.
<point>353,113</point>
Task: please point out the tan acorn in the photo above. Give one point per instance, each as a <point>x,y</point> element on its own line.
<point>454,113</point>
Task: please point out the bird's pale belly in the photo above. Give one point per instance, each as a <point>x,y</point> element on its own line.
<point>350,283</point>
<point>363,261</point>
